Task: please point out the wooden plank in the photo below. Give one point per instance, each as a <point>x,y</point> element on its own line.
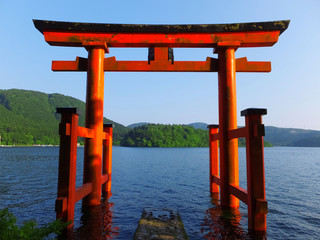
<point>237,133</point>
<point>216,179</point>
<point>61,204</point>
<point>239,193</point>
<point>242,65</point>
<point>64,129</point>
<point>112,65</point>
<point>82,191</point>
<point>105,136</point>
<point>85,132</point>
<point>215,137</point>
<point>210,65</point>
<point>145,40</point>
<point>105,178</point>
<point>261,206</point>
<point>80,64</point>
<point>258,130</point>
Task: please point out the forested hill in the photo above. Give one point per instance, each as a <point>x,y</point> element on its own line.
<point>291,137</point>
<point>158,135</point>
<point>29,117</point>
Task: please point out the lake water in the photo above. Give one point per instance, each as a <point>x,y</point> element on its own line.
<point>175,178</point>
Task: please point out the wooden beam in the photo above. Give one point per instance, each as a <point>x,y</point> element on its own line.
<point>239,192</point>
<point>85,132</point>
<point>82,191</point>
<point>145,40</point>
<point>242,65</point>
<point>112,65</point>
<point>237,133</point>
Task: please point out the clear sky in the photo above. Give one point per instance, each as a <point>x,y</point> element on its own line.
<point>291,92</point>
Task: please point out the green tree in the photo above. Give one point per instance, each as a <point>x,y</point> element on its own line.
<point>157,135</point>
<point>29,117</point>
<point>28,231</point>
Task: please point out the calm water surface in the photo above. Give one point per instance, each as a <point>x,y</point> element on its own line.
<point>167,178</point>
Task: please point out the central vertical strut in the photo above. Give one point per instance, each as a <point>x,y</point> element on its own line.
<point>229,166</point>
<point>94,120</point>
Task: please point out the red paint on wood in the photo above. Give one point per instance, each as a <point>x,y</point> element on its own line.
<point>214,159</point>
<point>67,167</point>
<point>237,133</point>
<point>105,178</point>
<point>229,166</point>
<point>203,40</point>
<point>239,192</point>
<point>107,159</point>
<point>85,132</point>
<point>255,174</point>
<point>112,65</point>
<point>82,191</point>
<point>215,179</point>
<point>94,120</point>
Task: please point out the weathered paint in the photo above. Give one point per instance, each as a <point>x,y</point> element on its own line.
<point>67,166</point>
<point>257,204</point>
<point>94,120</point>
<point>254,196</point>
<point>199,40</point>
<point>68,195</point>
<point>112,65</point>
<point>213,158</point>
<point>107,158</point>
<point>229,165</point>
<point>43,25</point>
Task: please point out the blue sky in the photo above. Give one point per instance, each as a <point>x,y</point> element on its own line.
<point>291,92</point>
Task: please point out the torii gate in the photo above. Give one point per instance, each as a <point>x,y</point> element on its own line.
<point>225,39</point>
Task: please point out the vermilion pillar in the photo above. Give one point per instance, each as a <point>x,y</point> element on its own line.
<point>214,158</point>
<point>107,158</point>
<point>67,165</point>
<point>94,121</point>
<point>229,166</point>
<point>257,204</point>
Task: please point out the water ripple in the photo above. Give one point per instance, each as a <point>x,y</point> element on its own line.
<point>169,178</point>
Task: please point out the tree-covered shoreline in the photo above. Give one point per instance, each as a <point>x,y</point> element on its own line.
<point>159,135</point>
<point>29,118</point>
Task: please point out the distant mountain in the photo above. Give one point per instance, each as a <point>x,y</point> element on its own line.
<point>196,125</point>
<point>199,125</point>
<point>307,142</point>
<point>134,125</point>
<point>29,117</point>
<point>292,137</point>
<point>160,135</point>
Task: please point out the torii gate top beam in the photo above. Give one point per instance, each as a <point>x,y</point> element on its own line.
<point>76,34</point>
<point>160,38</point>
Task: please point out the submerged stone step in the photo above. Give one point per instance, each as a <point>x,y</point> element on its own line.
<point>160,224</point>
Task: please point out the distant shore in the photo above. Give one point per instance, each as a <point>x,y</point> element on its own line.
<point>36,145</point>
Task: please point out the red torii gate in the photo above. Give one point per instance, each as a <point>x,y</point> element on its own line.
<point>225,39</point>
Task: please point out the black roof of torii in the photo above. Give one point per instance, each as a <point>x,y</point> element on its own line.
<point>43,25</point>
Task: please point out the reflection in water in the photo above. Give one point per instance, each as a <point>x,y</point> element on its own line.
<point>96,223</point>
<point>222,223</point>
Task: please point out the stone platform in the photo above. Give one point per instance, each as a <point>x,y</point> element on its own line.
<point>160,224</point>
